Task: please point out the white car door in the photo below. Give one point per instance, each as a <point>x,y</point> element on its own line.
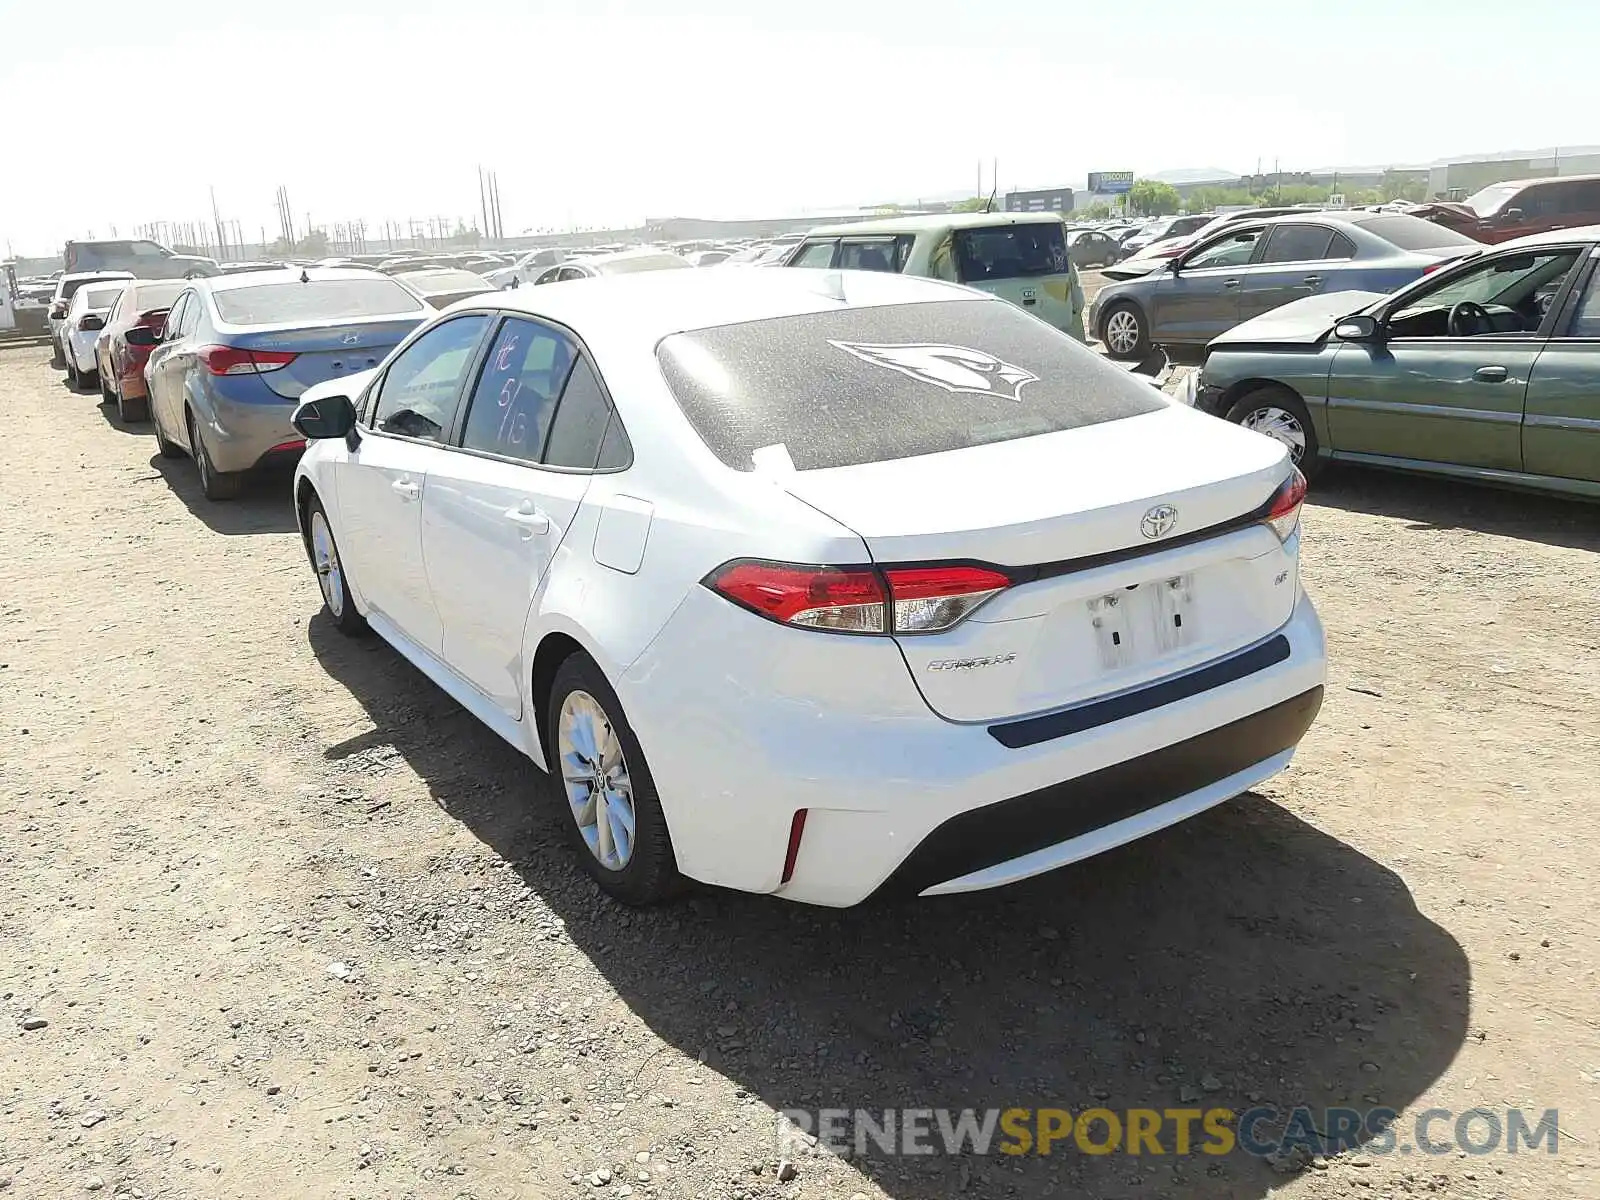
<point>381,483</point>
<point>498,509</point>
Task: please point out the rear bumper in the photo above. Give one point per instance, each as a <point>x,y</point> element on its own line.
<point>743,723</point>
<point>1066,822</point>
<point>241,435</point>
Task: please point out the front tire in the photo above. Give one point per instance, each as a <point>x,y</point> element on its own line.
<point>1125,332</point>
<point>612,813</point>
<point>214,484</point>
<point>331,578</point>
<point>1280,414</point>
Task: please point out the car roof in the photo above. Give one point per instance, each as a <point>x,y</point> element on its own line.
<point>96,275</point>
<point>647,306</point>
<point>1580,233</point>
<point>934,221</point>
<point>1522,183</point>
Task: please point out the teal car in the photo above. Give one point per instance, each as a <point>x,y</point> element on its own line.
<point>1487,369</point>
<point>1020,257</point>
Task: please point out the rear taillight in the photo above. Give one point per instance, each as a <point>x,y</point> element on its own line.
<point>929,599</point>
<point>905,600</point>
<point>156,318</point>
<point>1168,251</point>
<point>1431,268</point>
<point>58,311</point>
<point>1283,511</point>
<point>230,360</point>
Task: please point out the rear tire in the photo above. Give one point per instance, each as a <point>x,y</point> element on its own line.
<point>1125,332</point>
<point>593,754</point>
<point>323,551</point>
<point>72,375</point>
<point>133,411</point>
<point>1280,414</point>
<point>214,484</point>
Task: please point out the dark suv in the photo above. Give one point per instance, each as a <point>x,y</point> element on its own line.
<point>1518,207</point>
<point>144,259</point>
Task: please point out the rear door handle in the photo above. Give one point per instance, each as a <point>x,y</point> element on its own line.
<point>1490,374</point>
<point>1230,283</point>
<point>407,488</point>
<point>529,518</point>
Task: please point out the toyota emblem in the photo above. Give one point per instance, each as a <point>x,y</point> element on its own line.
<point>350,339</point>
<point>1159,521</point>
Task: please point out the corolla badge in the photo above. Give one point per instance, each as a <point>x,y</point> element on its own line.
<point>954,368</point>
<point>1159,521</point>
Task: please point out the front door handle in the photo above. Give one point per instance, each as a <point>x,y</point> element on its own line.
<point>1313,281</point>
<point>1230,283</point>
<point>406,488</point>
<point>529,517</point>
<point>1490,374</point>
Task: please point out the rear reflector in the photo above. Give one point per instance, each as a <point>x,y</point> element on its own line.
<point>231,360</point>
<point>291,444</point>
<point>797,830</point>
<point>904,600</point>
<point>1283,513</point>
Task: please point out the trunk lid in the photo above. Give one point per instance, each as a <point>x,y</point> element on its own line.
<point>324,352</point>
<point>1101,606</point>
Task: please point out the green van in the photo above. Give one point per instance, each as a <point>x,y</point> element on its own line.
<point>1020,257</point>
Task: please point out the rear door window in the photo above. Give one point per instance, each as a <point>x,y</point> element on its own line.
<point>1020,251</point>
<point>865,385</point>
<point>875,254</point>
<point>1296,243</point>
<point>580,423</point>
<point>526,370</point>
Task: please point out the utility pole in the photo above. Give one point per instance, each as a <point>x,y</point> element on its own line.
<point>216,219</point>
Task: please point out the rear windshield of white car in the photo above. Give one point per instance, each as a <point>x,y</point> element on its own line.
<point>862,385</point>
<point>1413,233</point>
<point>157,295</point>
<point>641,262</point>
<point>101,297</point>
<point>316,300</point>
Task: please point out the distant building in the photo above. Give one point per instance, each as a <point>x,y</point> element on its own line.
<point>1042,200</point>
<point>1460,177</point>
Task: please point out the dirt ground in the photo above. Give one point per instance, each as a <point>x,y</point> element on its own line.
<point>299,927</point>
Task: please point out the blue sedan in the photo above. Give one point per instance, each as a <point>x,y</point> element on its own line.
<point>238,351</point>
<point>1251,267</point>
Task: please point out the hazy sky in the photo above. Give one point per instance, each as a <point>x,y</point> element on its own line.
<point>603,112</point>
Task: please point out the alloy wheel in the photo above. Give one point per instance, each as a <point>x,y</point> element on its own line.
<point>594,773</point>
<point>1122,331</point>
<point>1280,425</point>
<point>325,556</point>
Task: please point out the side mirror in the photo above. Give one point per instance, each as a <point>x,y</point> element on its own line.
<point>142,335</point>
<point>330,417</point>
<point>1359,328</point>
<point>90,322</point>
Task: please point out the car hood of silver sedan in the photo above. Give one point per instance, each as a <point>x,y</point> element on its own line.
<point>1300,322</point>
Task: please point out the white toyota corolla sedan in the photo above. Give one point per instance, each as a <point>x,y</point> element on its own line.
<point>829,585</point>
